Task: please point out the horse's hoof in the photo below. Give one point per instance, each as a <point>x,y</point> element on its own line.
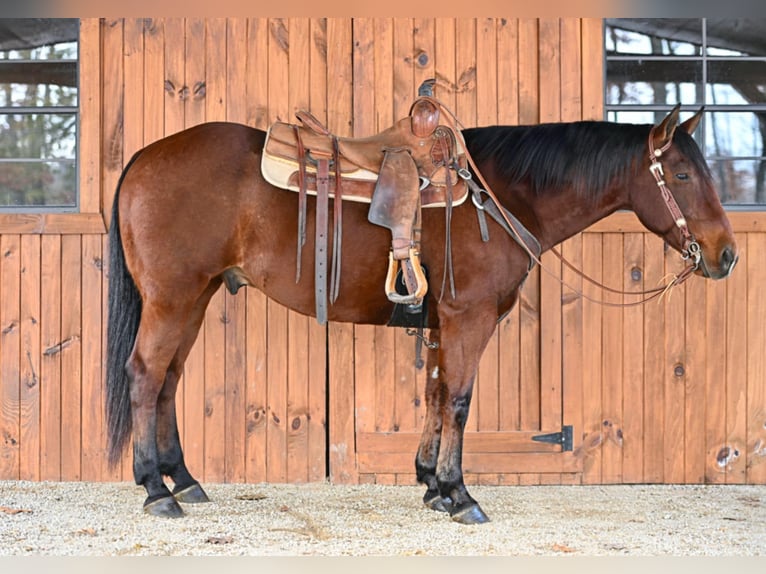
<point>472,514</point>
<point>437,503</point>
<point>166,507</point>
<point>191,494</point>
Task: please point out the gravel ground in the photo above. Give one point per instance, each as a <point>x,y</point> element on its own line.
<point>87,519</point>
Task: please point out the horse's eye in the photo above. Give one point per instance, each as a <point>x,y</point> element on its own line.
<point>682,176</point>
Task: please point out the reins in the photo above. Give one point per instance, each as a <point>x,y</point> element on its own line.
<point>690,251</point>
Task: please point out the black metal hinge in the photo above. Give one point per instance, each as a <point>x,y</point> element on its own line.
<point>564,438</point>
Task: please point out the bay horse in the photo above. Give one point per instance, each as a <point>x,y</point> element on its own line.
<point>193,207</point>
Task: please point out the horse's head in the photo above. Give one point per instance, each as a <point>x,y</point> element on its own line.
<point>674,197</point>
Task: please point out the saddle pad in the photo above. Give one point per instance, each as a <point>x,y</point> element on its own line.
<point>280,167</point>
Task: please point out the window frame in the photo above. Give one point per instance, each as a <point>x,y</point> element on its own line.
<point>88,216</point>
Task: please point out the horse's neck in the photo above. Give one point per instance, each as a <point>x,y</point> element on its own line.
<point>559,216</point>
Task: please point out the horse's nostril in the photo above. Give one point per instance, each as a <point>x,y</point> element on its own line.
<point>727,259</point>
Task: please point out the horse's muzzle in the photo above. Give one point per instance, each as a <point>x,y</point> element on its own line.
<point>726,263</point>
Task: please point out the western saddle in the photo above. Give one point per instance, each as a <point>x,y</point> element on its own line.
<point>419,162</point>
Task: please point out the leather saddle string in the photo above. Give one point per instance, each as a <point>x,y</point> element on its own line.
<point>456,126</point>
<point>338,225</point>
<point>301,201</point>
<point>448,268</point>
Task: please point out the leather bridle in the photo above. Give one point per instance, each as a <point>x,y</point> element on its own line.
<point>691,249</point>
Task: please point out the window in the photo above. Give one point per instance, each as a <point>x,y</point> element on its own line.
<point>38,114</point>
<point>654,63</point>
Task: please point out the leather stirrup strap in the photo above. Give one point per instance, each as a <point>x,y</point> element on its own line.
<point>320,242</point>
<point>337,226</point>
<point>301,202</point>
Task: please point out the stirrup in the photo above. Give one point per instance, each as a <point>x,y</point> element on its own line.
<point>422,284</point>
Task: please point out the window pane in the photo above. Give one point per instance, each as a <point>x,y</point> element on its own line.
<point>733,82</point>
<point>653,82</point>
<point>736,36</point>
<point>38,136</point>
<point>38,38</point>
<point>740,181</point>
<point>36,84</point>
<point>656,36</point>
<point>37,184</point>
<point>732,134</point>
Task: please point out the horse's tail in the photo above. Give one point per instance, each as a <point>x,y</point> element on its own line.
<point>124,317</point>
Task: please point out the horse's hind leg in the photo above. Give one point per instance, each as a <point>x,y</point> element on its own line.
<point>186,488</point>
<point>428,451</point>
<point>157,342</point>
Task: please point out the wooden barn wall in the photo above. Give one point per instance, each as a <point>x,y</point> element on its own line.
<point>665,393</point>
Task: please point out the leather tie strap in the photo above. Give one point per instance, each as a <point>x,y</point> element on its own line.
<point>320,243</point>
<point>338,225</point>
<point>301,202</point>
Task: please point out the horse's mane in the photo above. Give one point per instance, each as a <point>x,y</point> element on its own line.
<point>587,156</point>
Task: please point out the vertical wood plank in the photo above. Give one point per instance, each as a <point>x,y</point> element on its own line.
<point>93,444</point>
<point>112,112</point>
<point>529,301</point>
<point>317,378</point>
<point>633,361</point>
<point>235,305</point>
<point>466,111</point>
<point>487,400</point>
<point>342,459</point>
<point>734,458</point>
<point>256,372</point>
<point>215,331</point>
<point>299,95</point>
<point>108,473</point>
<point>90,114</point>
<point>654,365</point>
<point>508,332</point>
<point>133,60</point>
<point>174,70</point>
<point>592,433</point>
<point>715,383</point>
<point>70,348</point>
<point>756,362</point>
<point>675,356</point>
<point>571,304</point>
<point>612,362</point>
<point>528,78</point>
<point>592,68</point>
<point>10,351</point>
<point>278,328</point>
<point>191,95</point>
<point>695,368</point>
<point>29,368</point>
<point>50,368</point>
<point>364,124</point>
<point>257,305</point>
<point>549,49</point>
<point>154,64</point>
<point>133,98</point>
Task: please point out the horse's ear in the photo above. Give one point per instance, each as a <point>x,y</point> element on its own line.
<point>691,124</point>
<point>663,132</point>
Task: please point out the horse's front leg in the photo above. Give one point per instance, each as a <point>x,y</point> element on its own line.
<point>428,451</point>
<point>464,336</point>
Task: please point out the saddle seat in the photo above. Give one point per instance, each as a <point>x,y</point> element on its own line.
<point>411,165</point>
